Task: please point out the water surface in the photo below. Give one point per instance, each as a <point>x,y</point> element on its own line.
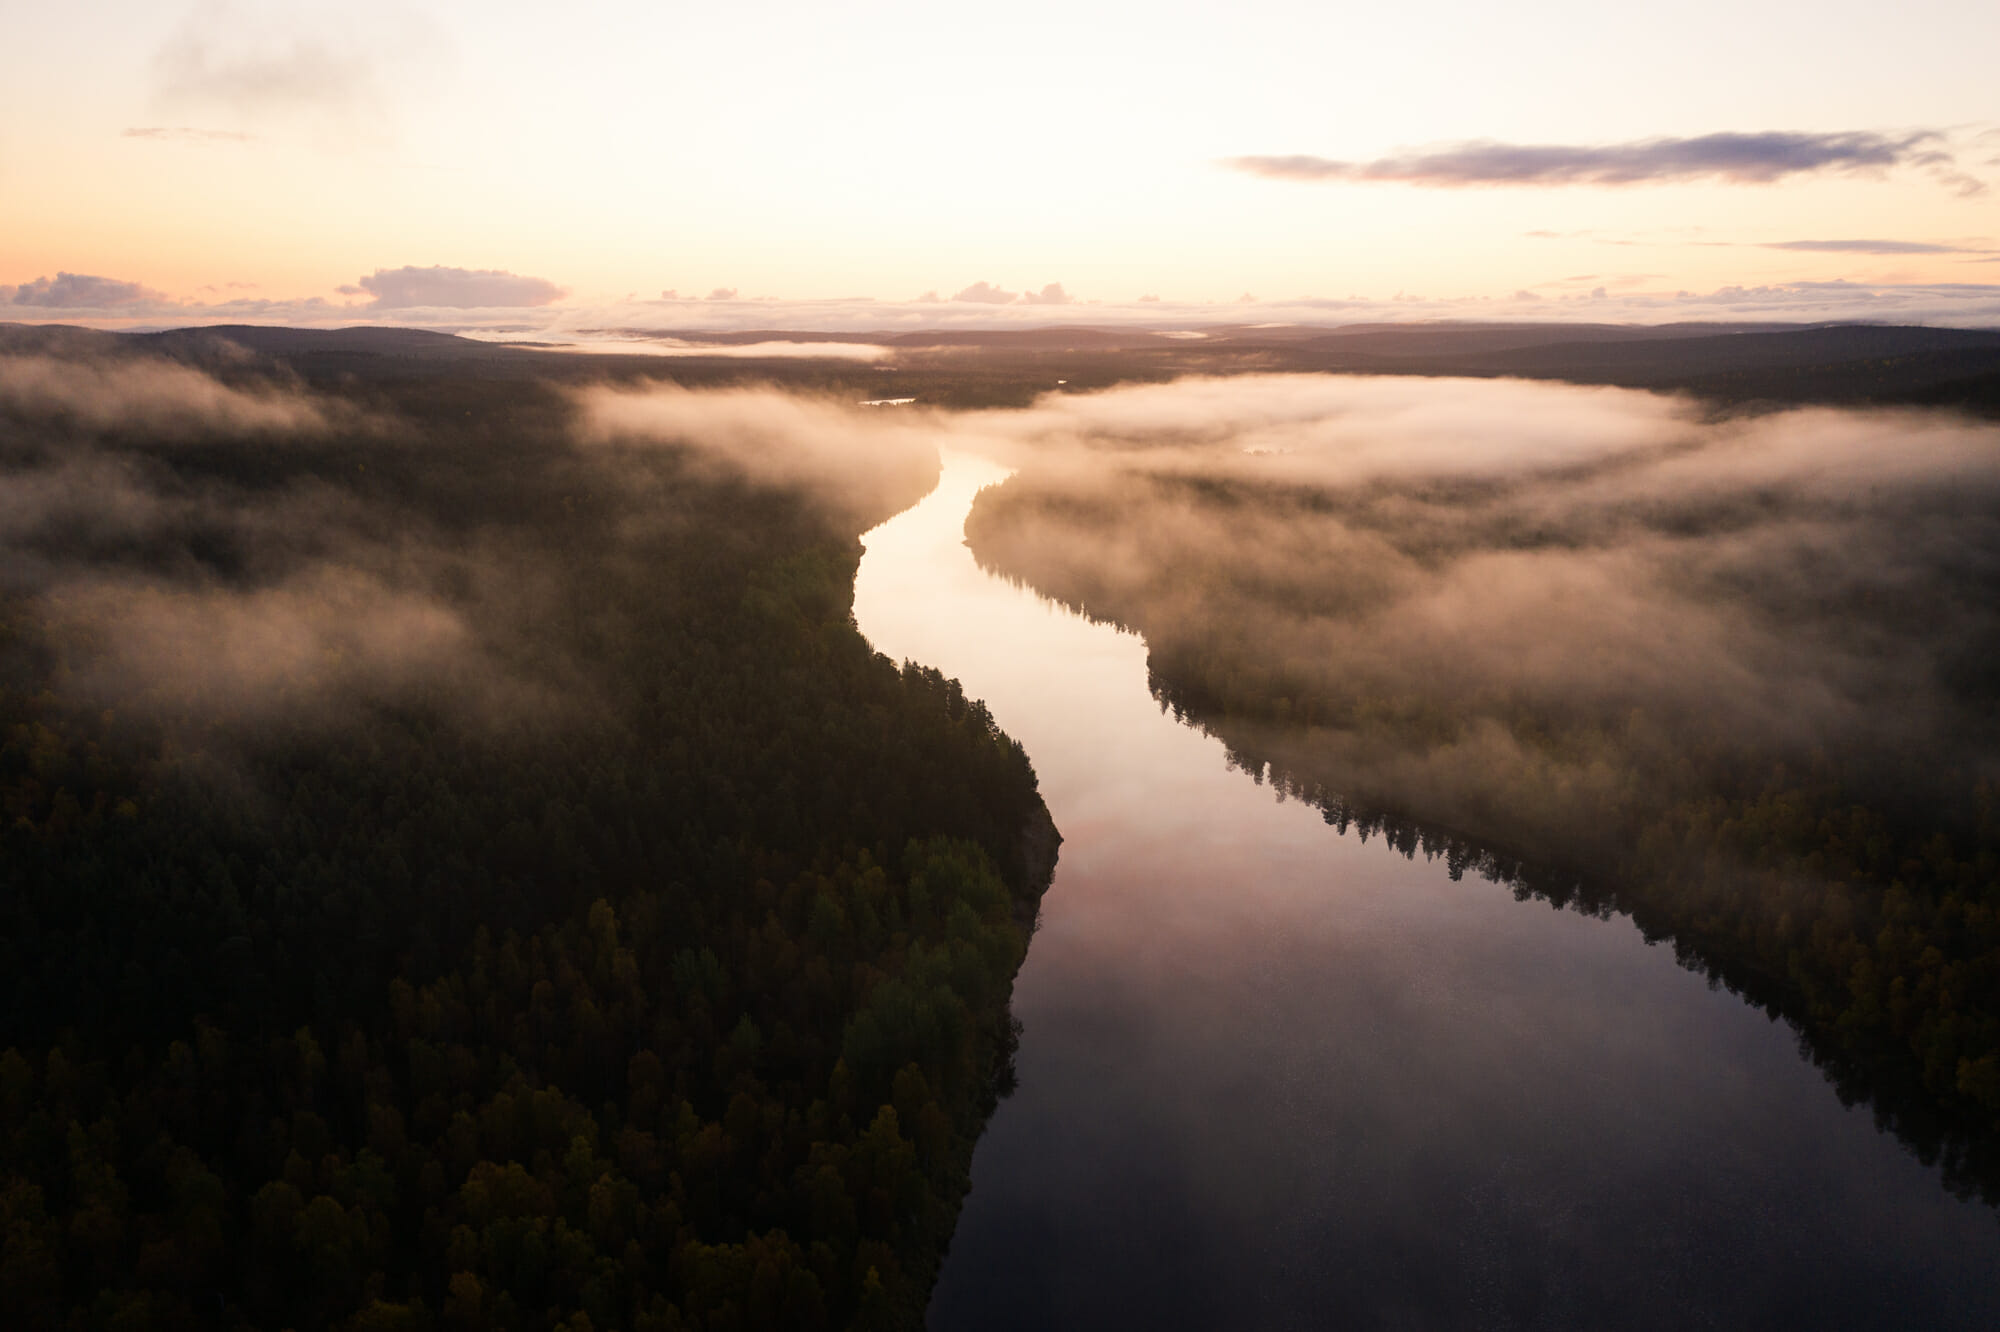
<point>1274,1077</point>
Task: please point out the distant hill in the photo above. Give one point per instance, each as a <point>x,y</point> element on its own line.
<point>271,341</point>
<point>1045,339</point>
<point>1853,364</point>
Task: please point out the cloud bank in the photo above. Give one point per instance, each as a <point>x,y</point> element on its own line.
<point>118,303</point>
<point>438,287</point>
<point>985,293</point>
<point>79,291</point>
<point>1869,247</point>
<point>1742,159</point>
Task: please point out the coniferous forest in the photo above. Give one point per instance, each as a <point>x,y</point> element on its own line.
<point>461,866</point>
<point>459,874</point>
<point>1731,675</point>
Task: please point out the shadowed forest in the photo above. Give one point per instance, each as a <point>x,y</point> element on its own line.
<point>1731,675</point>
<point>462,866</point>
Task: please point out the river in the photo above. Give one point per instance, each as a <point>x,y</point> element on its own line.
<point>1272,1076</point>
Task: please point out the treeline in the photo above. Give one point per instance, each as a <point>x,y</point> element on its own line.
<point>1845,876</point>
<point>615,941</point>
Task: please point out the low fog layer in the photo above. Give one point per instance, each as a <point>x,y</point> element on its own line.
<point>161,398</point>
<point>207,541</point>
<point>337,682</point>
<point>1514,607</point>
<point>834,451</point>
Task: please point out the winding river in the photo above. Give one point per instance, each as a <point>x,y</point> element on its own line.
<point>1273,1076</point>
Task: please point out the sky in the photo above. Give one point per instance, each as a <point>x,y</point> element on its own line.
<point>512,166</point>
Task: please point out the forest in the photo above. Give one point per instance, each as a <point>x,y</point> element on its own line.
<point>1731,674</point>
<point>462,868</point>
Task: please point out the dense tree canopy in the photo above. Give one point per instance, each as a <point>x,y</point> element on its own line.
<point>454,877</point>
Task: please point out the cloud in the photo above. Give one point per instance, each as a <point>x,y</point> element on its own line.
<point>985,293</point>
<point>1744,159</point>
<point>218,57</point>
<point>185,134</point>
<point>78,291</point>
<point>1948,304</point>
<point>1053,294</point>
<point>342,67</point>
<point>1868,247</point>
<point>410,287</point>
<point>722,294</point>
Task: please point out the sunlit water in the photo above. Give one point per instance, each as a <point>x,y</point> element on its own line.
<point>1274,1077</point>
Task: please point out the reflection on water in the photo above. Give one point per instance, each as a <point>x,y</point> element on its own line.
<point>1274,1077</point>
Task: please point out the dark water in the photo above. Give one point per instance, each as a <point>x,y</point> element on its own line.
<point>1273,1077</point>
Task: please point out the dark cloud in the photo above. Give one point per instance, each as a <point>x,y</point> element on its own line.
<point>1053,294</point>
<point>1737,158</point>
<point>410,287</point>
<point>79,291</point>
<point>185,134</point>
<point>1868,247</point>
<point>985,293</point>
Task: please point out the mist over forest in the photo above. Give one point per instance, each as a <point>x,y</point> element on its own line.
<point>1730,673</point>
<point>463,866</point>
<point>757,668</point>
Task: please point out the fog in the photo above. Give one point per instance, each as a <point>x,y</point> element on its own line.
<point>1501,604</point>
<point>187,549</point>
<point>163,398</point>
<point>211,545</point>
<point>833,450</point>
<point>1521,606</point>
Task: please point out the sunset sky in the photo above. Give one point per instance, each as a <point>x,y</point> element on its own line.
<point>809,165</point>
